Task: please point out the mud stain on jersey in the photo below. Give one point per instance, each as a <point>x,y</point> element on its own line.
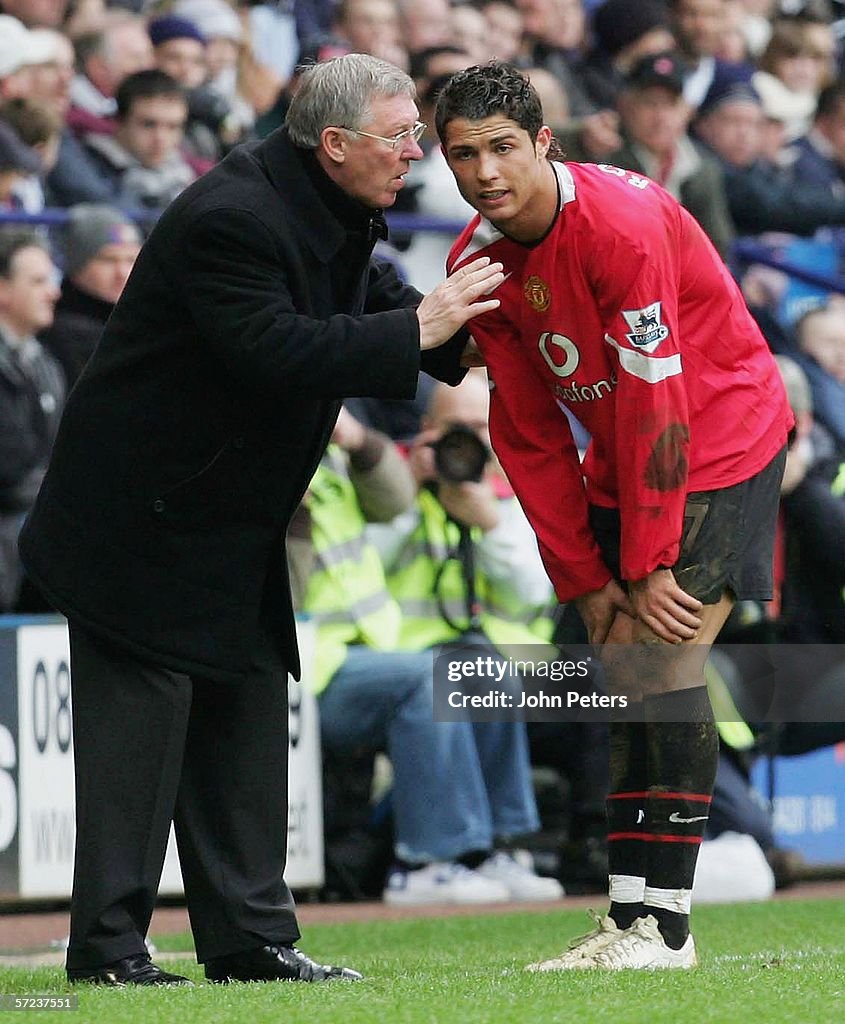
<point>667,465</point>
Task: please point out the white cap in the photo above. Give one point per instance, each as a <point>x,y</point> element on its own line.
<point>20,48</point>
<point>214,18</point>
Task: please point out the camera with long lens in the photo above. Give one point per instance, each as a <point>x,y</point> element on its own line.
<point>460,455</point>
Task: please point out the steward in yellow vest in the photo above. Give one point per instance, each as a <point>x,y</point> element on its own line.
<point>337,573</point>
<point>464,559</point>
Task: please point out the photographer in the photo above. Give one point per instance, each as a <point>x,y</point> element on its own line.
<point>460,789</point>
<point>465,517</point>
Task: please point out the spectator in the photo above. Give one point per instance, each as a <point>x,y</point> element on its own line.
<point>37,13</point>
<point>73,178</point>
<point>469,31</point>
<point>372,26</point>
<point>143,159</point>
<point>50,78</point>
<point>39,127</point>
<point>434,190</point>
<point>812,612</point>
<point>733,46</point>
<point>318,49</point>
<point>623,33</point>
<point>120,47</point>
<point>654,118</point>
<point>552,96</point>
<point>99,247</point>
<point>424,573</point>
<point>33,391</point>
<point>232,69</point>
<point>20,51</point>
<point>698,27</point>
<point>436,62</point>
<point>795,66</point>
<point>425,23</point>
<point>819,157</point>
<point>813,503</point>
<point>17,163</point>
<point>761,198</point>
<point>457,784</point>
<point>504,28</point>
<point>821,341</point>
<point>179,51</point>
<point>274,42</point>
<point>555,38</point>
<point>512,586</point>
<point>756,23</point>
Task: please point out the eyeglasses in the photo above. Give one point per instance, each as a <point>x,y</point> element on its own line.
<point>395,141</point>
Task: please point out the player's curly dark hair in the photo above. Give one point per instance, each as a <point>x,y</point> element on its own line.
<point>494,88</point>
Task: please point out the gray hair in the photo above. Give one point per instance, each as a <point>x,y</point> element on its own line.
<point>339,92</point>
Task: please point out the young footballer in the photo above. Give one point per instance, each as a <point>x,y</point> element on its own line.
<point>617,308</point>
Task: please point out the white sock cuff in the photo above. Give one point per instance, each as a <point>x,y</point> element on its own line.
<point>676,900</point>
<point>626,888</point>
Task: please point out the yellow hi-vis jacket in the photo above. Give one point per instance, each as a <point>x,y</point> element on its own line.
<point>346,594</point>
<point>427,581</point>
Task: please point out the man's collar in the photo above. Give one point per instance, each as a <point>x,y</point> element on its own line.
<point>308,192</point>
<point>351,213</point>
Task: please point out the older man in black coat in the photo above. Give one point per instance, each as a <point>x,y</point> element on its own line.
<point>254,308</point>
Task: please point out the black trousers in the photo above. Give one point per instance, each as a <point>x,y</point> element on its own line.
<point>153,746</point>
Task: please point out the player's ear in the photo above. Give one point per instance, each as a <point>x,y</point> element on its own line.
<point>544,140</point>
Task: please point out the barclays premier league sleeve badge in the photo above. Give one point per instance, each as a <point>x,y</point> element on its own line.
<point>647,330</point>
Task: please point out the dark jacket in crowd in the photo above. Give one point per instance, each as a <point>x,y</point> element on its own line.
<point>75,178</point>
<point>77,325</point>
<point>813,609</point>
<point>32,392</point>
<point>702,192</point>
<point>813,167</point>
<point>762,198</point>
<point>194,430</point>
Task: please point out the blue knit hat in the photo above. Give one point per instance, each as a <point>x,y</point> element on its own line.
<point>162,30</point>
<point>731,83</point>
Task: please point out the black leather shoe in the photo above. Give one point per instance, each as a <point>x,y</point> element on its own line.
<point>274,963</point>
<point>131,970</point>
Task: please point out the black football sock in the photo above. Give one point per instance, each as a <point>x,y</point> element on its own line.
<point>683,753</point>
<point>626,804</point>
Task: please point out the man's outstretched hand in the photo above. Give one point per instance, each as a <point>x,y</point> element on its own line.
<point>457,299</point>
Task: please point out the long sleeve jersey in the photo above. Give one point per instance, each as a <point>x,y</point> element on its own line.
<point>626,315</point>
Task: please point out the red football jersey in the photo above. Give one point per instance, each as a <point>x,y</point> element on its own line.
<point>626,315</point>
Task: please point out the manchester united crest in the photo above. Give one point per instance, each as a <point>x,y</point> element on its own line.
<point>536,291</point>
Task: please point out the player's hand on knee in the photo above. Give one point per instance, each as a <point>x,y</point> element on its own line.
<point>599,608</point>
<point>668,610</point>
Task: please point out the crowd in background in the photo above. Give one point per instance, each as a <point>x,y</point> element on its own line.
<point>108,110</point>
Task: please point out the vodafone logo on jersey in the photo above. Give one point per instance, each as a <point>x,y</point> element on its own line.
<point>560,353</point>
<point>562,356</point>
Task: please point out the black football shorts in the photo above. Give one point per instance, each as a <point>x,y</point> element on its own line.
<point>727,542</point>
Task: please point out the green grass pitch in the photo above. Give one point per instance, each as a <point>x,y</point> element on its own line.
<point>769,963</point>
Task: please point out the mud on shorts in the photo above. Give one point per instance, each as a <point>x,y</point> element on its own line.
<point>727,541</point>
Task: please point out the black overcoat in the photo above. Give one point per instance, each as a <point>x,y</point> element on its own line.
<point>194,430</point>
